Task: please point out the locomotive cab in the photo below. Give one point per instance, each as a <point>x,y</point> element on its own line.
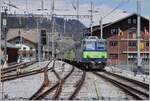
<point>94,52</point>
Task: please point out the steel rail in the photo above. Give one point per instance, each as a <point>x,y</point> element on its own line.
<point>80,82</point>
<point>56,74</point>
<point>139,83</point>
<point>15,76</point>
<point>59,88</point>
<point>14,67</point>
<point>40,89</point>
<point>137,94</point>
<point>78,87</point>
<point>55,86</point>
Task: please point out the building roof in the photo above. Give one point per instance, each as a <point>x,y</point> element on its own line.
<point>108,24</point>
<point>133,14</point>
<point>9,45</point>
<point>30,34</point>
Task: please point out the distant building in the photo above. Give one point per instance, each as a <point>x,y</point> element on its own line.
<point>12,52</point>
<point>121,37</point>
<point>26,40</point>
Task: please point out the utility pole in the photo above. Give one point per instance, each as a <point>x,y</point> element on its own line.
<point>138,32</point>
<point>53,24</point>
<point>91,18</point>
<point>9,6</point>
<point>26,5</point>
<point>4,26</point>
<point>41,46</point>
<point>5,33</point>
<point>101,28</point>
<point>77,9</point>
<point>77,4</point>
<point>39,43</point>
<point>64,26</point>
<point>53,30</point>
<point>20,35</point>
<point>0,48</point>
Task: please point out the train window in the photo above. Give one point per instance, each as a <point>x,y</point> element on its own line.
<point>89,45</point>
<point>100,45</point>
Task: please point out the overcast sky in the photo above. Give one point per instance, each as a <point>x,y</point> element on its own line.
<point>102,6</point>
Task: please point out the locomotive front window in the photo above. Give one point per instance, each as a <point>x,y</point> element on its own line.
<point>100,45</point>
<point>89,45</point>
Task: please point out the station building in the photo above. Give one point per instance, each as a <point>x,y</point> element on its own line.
<point>12,52</point>
<point>121,36</point>
<point>25,40</point>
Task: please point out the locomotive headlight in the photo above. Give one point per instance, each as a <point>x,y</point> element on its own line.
<point>92,62</point>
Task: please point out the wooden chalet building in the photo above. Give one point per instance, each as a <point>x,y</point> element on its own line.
<point>121,39</point>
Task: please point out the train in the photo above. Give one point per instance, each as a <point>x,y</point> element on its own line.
<point>91,51</point>
<point>94,52</point>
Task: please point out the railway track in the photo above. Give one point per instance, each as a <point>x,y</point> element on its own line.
<point>68,84</point>
<point>24,74</point>
<point>138,90</point>
<point>57,89</point>
<point>16,66</point>
<point>42,87</point>
<point>40,95</point>
<point>78,87</point>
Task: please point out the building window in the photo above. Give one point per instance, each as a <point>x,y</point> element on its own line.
<point>113,56</point>
<point>134,21</point>
<point>132,58</point>
<point>129,21</point>
<point>132,33</point>
<point>132,43</point>
<point>147,44</point>
<point>114,31</point>
<point>113,43</point>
